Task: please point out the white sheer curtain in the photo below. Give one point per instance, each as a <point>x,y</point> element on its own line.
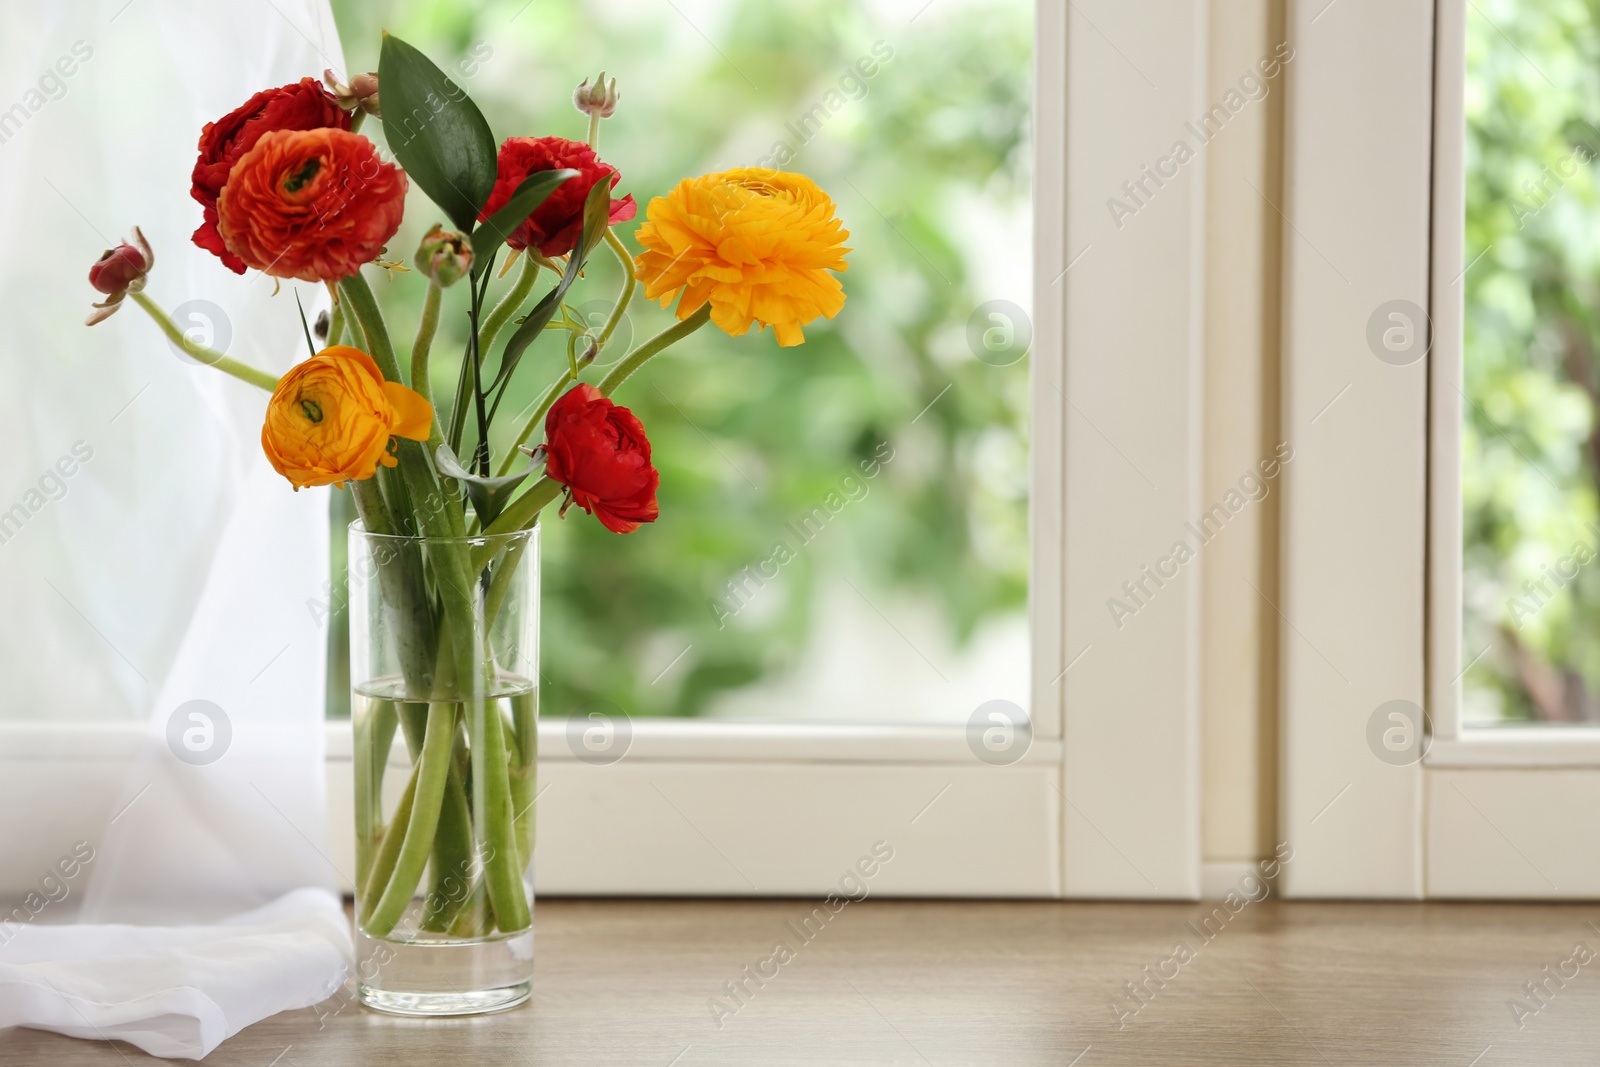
<point>149,557</point>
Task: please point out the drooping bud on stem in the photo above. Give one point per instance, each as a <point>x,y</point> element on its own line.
<point>118,272</point>
<point>444,255</point>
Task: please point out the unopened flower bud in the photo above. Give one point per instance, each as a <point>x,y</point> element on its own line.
<point>597,99</point>
<point>444,255</point>
<point>118,272</point>
<point>117,269</point>
<point>362,92</point>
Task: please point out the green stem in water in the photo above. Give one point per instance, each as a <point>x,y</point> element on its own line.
<point>461,648</point>
<point>374,730</point>
<point>452,851</point>
<point>455,588</point>
<point>388,851</point>
<point>393,893</point>
<point>500,583</point>
<point>524,769</point>
<point>491,803</point>
<point>211,358</point>
<point>474,919</point>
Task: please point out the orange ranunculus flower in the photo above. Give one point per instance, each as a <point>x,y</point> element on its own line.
<point>310,204</point>
<point>333,417</point>
<point>757,243</point>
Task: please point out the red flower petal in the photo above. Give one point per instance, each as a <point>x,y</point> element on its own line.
<point>600,452</point>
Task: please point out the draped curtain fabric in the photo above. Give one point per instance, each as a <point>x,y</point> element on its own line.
<point>156,576</point>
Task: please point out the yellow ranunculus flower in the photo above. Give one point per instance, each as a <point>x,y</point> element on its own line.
<point>332,419</point>
<point>757,243</point>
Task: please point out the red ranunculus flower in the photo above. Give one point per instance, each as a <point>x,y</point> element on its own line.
<point>311,204</point>
<point>554,226</point>
<point>599,451</point>
<point>303,105</point>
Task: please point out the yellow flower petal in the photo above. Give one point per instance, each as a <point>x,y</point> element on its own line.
<point>413,414</point>
<point>756,244</point>
<point>332,419</point>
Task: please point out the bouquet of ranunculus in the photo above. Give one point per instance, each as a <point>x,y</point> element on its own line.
<point>444,596</point>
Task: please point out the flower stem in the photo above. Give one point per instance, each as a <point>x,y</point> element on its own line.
<point>210,357</point>
<point>336,322</point>
<point>364,308</point>
<point>383,862</point>
<point>518,515</point>
<point>420,349</point>
<point>511,302</point>
<point>452,851</point>
<point>663,340</point>
<point>426,328</point>
<point>491,804</point>
<point>465,658</point>
<point>474,919</point>
<point>394,892</point>
<point>416,463</point>
<point>480,454</point>
<point>523,511</point>
<point>524,768</point>
<point>620,308</point>
<point>496,320</point>
<point>624,298</point>
<point>536,418</point>
<point>373,728</point>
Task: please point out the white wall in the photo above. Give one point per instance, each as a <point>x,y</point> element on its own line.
<point>1238,653</point>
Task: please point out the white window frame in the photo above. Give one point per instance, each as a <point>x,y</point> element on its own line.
<point>1372,526</point>
<point>1105,803</point>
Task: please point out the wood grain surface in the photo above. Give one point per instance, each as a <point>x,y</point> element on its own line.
<point>935,983</point>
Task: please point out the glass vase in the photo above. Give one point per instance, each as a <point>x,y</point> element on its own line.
<point>444,653</point>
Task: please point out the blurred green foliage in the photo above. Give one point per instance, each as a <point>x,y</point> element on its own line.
<point>928,162</point>
<point>1530,444</point>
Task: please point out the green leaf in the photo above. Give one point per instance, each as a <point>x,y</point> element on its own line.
<point>489,495</point>
<point>596,217</point>
<point>436,132</point>
<point>493,231</point>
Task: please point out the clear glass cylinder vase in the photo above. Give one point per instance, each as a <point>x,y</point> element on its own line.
<point>444,667</point>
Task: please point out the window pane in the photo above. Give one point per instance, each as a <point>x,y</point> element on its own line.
<point>1529,441</point>
<point>843,529</point>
